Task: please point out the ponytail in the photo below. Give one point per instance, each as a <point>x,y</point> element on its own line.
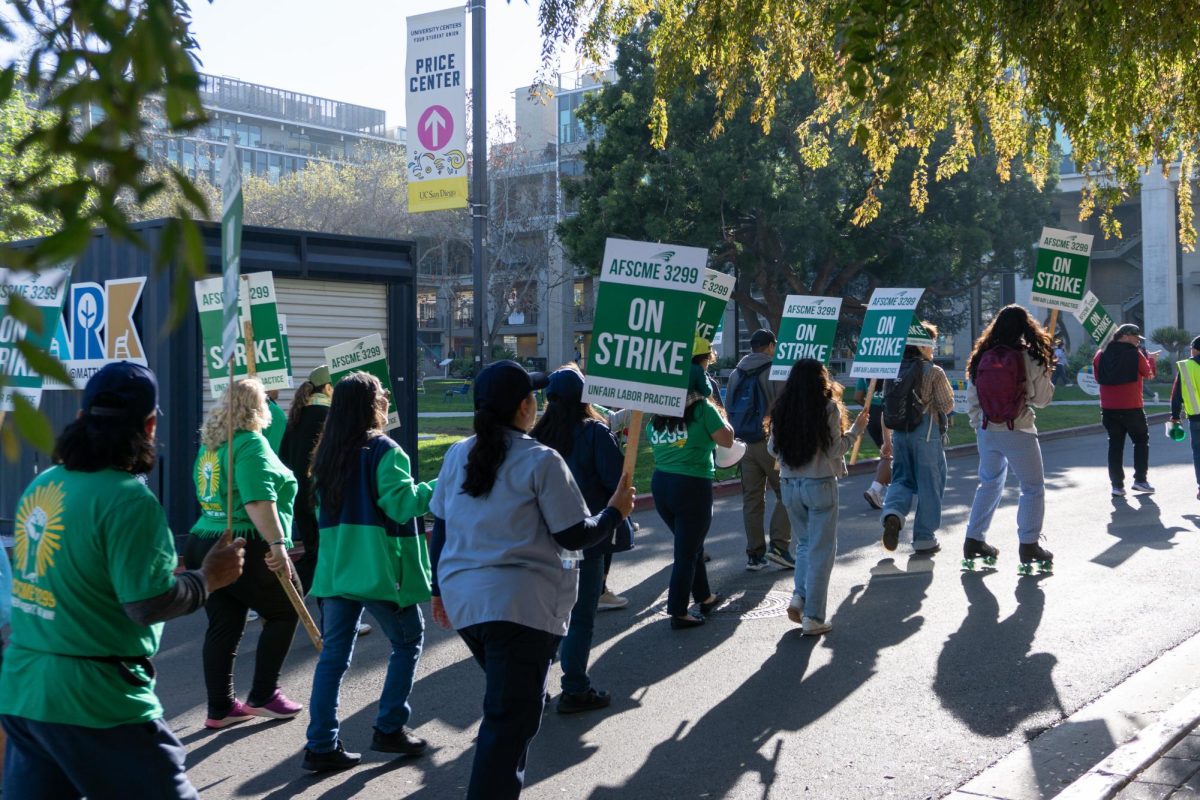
<point>488,452</point>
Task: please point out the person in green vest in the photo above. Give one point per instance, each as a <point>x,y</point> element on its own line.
<point>1185,398</point>
<point>373,556</point>
<point>94,581</point>
<point>278,425</point>
<point>264,491</point>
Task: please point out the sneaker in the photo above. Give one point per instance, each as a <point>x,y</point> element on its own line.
<point>1118,491</point>
<point>335,759</point>
<point>926,547</point>
<point>363,629</point>
<point>874,499</point>
<point>781,557</point>
<point>611,602</point>
<point>575,702</point>
<point>252,615</point>
<point>278,707</point>
<point>795,609</point>
<point>239,713</point>
<point>1143,487</point>
<point>814,627</point>
<point>891,531</point>
<point>403,741</point>
<point>755,563</point>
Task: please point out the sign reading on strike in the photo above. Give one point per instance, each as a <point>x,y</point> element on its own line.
<point>1061,271</point>
<point>919,335</point>
<point>1095,320</point>
<point>716,291</point>
<point>45,290</point>
<point>806,330</point>
<point>436,106</point>
<point>885,333</point>
<point>645,325</point>
<point>270,356</point>
<point>363,355</point>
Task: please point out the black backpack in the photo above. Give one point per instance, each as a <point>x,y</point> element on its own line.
<point>747,408</point>
<point>902,411</point>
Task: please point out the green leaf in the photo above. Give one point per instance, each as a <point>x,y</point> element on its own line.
<point>43,363</point>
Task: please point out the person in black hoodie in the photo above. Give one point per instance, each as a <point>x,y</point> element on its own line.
<point>306,420</point>
<point>1120,369</point>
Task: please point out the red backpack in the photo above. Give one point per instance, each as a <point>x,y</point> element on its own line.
<point>1000,385</point>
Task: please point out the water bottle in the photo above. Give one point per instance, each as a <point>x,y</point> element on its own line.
<point>571,559</point>
<point>1175,431</point>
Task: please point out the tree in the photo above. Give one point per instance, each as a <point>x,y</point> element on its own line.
<point>1119,78</point>
<point>19,219</point>
<point>1176,340</point>
<point>786,227</point>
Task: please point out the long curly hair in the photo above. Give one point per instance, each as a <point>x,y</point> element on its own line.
<point>246,400</point>
<point>1013,327</point>
<point>304,393</point>
<point>357,413</point>
<point>798,418</point>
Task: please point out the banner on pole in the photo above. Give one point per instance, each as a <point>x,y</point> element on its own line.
<point>806,330</point>
<point>46,291</point>
<point>715,293</point>
<point>645,326</point>
<point>1062,267</point>
<point>436,106</point>
<point>1095,320</point>
<point>363,355</point>
<point>884,333</point>
<point>231,249</point>
<point>269,354</point>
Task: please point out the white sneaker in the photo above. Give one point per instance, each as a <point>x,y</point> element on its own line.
<point>610,601</point>
<point>795,609</point>
<point>1142,487</point>
<point>251,615</point>
<point>814,627</point>
<point>363,629</point>
<point>874,498</point>
<point>1117,491</point>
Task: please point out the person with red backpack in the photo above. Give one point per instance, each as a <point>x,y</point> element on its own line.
<point>1010,373</point>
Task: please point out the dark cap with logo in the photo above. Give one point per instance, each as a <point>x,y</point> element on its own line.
<point>761,338</point>
<point>121,389</point>
<point>502,385</point>
<point>1128,329</point>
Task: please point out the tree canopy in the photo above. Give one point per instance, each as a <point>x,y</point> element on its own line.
<point>1120,78</point>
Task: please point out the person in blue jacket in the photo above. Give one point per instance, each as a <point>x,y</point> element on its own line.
<point>577,431</point>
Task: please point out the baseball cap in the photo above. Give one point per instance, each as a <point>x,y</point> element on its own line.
<point>1129,329</point>
<point>761,338</point>
<point>320,376</point>
<point>502,385</point>
<point>1196,343</point>
<point>565,384</point>
<point>121,389</point>
<point>701,346</point>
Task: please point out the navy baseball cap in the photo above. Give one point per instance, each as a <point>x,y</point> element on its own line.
<point>121,389</point>
<point>565,384</point>
<point>502,385</point>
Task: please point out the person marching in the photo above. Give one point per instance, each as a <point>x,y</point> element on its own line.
<point>508,517</point>
<point>1010,373</point>
<point>95,580</point>
<point>277,427</point>
<point>1185,398</point>
<point>305,421</point>
<point>684,471</point>
<point>372,556</point>
<point>264,491</point>
<point>882,437</point>
<point>577,433</point>
<point>1120,369</point>
<point>916,405</point>
<point>810,439</point>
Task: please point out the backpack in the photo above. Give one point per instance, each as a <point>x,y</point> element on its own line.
<point>747,408</point>
<point>1000,385</point>
<point>902,409</point>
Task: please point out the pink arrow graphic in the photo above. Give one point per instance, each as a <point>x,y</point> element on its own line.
<point>435,127</point>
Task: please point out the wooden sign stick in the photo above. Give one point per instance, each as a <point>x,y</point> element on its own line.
<point>1052,326</point>
<point>632,444</point>
<point>858,441</point>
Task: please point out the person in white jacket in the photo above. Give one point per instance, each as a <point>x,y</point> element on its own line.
<point>1001,405</point>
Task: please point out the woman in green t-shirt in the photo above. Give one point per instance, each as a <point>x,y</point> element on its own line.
<point>264,491</point>
<point>683,494</point>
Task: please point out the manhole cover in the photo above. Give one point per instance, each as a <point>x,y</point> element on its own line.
<point>745,605</point>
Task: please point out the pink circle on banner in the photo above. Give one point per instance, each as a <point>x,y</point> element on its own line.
<point>435,127</point>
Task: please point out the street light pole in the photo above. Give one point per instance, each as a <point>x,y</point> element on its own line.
<point>479,183</point>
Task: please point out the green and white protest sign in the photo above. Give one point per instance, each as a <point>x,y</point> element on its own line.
<point>919,335</point>
<point>1095,320</point>
<point>287,348</point>
<point>269,356</point>
<point>363,355</point>
<point>1062,267</point>
<point>885,333</point>
<point>46,291</point>
<point>806,330</point>
<point>645,325</point>
<point>715,293</point>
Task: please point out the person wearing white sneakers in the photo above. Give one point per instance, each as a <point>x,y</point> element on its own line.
<point>882,437</point>
<point>808,436</point>
<point>1120,369</point>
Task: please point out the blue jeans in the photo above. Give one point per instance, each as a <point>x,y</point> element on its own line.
<point>812,507</point>
<point>1194,424</point>
<point>577,645</point>
<point>404,627</point>
<point>918,470</point>
<point>685,503</point>
<point>999,449</point>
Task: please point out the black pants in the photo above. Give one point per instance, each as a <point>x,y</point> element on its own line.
<point>875,424</point>
<point>257,589</point>
<point>1120,423</point>
<point>685,503</point>
<point>515,661</point>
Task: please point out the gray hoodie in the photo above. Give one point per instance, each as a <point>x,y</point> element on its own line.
<point>749,363</point>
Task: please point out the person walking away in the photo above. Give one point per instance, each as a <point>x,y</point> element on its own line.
<point>1120,369</point>
<point>1185,398</point>
<point>750,396</point>
<point>264,491</point>
<point>810,439</point>
<point>577,432</point>
<point>1060,364</point>
<point>915,408</point>
<point>1010,374</point>
<point>305,421</point>
<point>95,577</point>
<point>274,432</point>
<point>508,522</point>
<point>882,437</point>
<point>374,557</point>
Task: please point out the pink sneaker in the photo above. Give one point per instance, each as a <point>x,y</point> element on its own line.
<point>239,713</point>
<point>278,707</point>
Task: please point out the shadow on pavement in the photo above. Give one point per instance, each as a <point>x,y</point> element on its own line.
<point>1136,528</point>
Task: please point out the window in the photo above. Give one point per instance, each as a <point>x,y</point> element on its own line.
<point>274,167</point>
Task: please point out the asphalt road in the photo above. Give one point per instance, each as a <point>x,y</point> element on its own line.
<point>929,675</point>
